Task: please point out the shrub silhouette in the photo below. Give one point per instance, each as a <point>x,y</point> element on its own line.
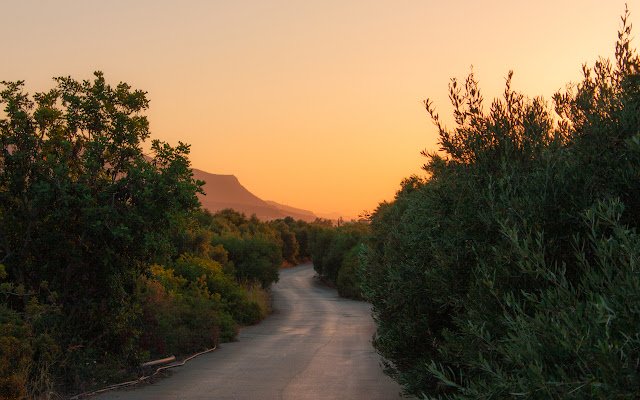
<point>511,270</point>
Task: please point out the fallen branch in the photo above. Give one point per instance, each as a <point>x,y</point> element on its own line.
<point>143,378</point>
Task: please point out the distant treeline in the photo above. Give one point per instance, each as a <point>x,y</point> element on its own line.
<point>106,260</point>
<point>513,269</point>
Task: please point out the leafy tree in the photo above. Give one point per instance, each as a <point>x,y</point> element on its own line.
<point>254,259</point>
<point>502,274</point>
<point>348,279</point>
<point>219,283</point>
<point>301,230</point>
<point>181,315</point>
<point>335,253</point>
<point>319,242</point>
<point>288,238</point>
<point>83,210</point>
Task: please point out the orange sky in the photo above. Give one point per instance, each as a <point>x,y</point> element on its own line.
<point>313,103</point>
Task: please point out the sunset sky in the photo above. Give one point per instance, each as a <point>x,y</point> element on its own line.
<point>314,104</point>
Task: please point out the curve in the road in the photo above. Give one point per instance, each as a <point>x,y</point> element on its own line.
<point>315,345</point>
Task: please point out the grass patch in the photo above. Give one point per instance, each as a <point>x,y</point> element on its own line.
<point>260,296</point>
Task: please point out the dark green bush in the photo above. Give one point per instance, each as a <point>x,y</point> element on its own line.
<point>16,355</point>
<point>290,247</point>
<point>82,214</point>
<point>181,316</point>
<point>29,353</point>
<point>565,340</point>
<point>348,281</point>
<point>334,254</point>
<point>319,241</point>
<point>511,270</point>
<point>255,259</point>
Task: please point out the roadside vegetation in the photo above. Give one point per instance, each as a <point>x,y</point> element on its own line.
<point>106,259</point>
<point>511,270</point>
<point>335,251</point>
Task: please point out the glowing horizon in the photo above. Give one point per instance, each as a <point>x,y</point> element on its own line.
<point>315,105</point>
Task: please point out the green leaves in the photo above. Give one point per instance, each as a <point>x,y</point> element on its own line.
<point>512,271</point>
<point>83,208</point>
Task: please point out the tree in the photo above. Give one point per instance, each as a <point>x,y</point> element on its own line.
<point>290,248</point>
<point>255,259</point>
<point>83,210</point>
<point>510,271</point>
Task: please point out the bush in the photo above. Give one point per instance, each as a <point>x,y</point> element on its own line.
<point>288,239</point>
<point>335,249</point>
<point>256,294</point>
<point>233,296</point>
<point>30,353</point>
<point>319,241</point>
<point>510,270</point>
<point>568,340</point>
<point>83,212</point>
<point>254,259</point>
<point>17,354</point>
<point>181,316</point>
<point>348,281</point>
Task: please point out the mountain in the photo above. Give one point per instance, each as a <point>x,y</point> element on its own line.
<point>297,213</point>
<point>225,191</point>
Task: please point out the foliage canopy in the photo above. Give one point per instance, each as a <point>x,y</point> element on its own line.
<point>511,271</point>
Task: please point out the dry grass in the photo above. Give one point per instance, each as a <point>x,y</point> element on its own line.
<point>260,296</point>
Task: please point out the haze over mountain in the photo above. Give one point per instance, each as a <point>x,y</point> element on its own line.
<point>225,191</point>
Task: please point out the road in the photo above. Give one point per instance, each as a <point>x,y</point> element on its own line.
<point>315,345</point>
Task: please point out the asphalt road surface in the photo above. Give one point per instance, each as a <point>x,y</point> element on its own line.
<point>315,345</point>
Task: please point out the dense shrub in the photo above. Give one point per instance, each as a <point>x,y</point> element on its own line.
<point>29,351</point>
<point>251,249</point>
<point>233,296</point>
<point>82,214</point>
<point>254,259</point>
<point>319,242</point>
<point>348,280</point>
<point>290,246</point>
<point>334,252</point>
<point>510,271</point>
<point>181,316</point>
<point>16,351</point>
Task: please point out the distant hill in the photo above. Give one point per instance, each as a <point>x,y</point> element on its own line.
<point>297,213</point>
<point>225,191</point>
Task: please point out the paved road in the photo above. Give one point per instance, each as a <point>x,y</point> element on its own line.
<point>314,346</point>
